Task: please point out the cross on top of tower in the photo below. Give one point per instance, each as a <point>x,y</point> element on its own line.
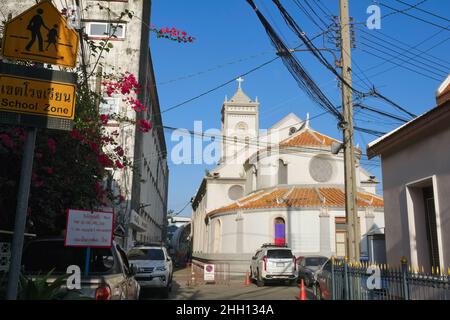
<point>239,81</point>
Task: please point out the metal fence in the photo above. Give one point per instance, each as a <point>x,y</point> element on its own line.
<point>364,281</point>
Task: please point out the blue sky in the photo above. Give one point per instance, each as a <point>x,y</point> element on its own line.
<point>230,41</point>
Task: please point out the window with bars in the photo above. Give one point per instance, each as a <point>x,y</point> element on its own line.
<point>105,29</point>
<point>109,106</point>
<point>430,221</point>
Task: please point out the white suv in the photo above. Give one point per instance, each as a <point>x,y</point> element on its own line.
<point>153,267</point>
<point>273,262</point>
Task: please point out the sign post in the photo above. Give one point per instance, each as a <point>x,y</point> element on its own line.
<point>35,97</point>
<point>21,214</point>
<point>24,36</point>
<point>89,229</point>
<point>208,273</point>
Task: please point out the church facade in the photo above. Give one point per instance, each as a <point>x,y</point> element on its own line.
<point>283,185</point>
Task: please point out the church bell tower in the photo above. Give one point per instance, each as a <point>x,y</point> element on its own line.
<point>240,124</point>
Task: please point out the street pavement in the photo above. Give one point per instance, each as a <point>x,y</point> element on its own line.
<point>234,289</point>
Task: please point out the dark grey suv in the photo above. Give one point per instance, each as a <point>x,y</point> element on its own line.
<point>110,276</point>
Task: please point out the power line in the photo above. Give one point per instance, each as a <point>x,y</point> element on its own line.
<point>397,64</point>
<point>405,51</point>
<point>381,112</point>
<point>308,15</point>
<point>314,12</point>
<point>217,67</point>
<point>219,86</point>
<point>415,17</point>
<point>229,81</point>
<point>304,80</point>
<point>392,103</point>
<point>322,7</point>
<point>407,9</point>
<point>422,10</point>
<point>399,54</point>
<point>298,31</point>
<point>262,144</point>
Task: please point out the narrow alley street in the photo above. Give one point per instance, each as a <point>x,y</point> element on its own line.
<point>234,290</point>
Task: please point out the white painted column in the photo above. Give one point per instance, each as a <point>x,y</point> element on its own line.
<point>325,230</point>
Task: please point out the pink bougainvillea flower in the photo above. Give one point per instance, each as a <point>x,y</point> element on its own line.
<point>94,147</point>
<point>76,135</point>
<point>104,160</point>
<point>119,164</point>
<point>51,145</point>
<point>144,125</point>
<point>119,151</point>
<point>38,183</point>
<point>104,118</point>
<point>48,170</point>
<point>6,140</point>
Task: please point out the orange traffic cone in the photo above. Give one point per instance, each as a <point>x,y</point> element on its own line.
<point>247,279</point>
<point>302,294</point>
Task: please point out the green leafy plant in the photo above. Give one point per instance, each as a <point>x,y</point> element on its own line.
<point>41,288</point>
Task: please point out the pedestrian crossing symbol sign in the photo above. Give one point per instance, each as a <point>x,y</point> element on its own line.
<point>41,34</point>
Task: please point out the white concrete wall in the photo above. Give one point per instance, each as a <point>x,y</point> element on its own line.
<point>303,231</point>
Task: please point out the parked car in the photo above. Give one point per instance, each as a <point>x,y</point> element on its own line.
<point>154,267</point>
<point>307,267</point>
<point>273,262</point>
<point>323,282</point>
<point>110,277</point>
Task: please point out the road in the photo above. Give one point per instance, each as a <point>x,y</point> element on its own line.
<point>234,289</point>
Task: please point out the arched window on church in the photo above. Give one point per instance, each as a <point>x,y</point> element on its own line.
<point>247,141</point>
<point>280,231</point>
<point>217,236</point>
<point>235,139</point>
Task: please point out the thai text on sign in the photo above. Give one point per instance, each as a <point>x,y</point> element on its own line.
<point>89,229</point>
<point>40,97</point>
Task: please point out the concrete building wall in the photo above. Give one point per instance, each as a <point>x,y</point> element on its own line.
<point>128,54</point>
<point>405,235</point>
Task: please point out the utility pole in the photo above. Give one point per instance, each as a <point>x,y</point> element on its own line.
<point>351,210</point>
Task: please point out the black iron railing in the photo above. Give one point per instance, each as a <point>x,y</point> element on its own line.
<point>365,281</point>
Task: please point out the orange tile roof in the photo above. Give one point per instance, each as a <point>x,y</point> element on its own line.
<point>299,197</point>
<point>308,137</point>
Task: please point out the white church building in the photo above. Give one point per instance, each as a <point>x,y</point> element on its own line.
<point>283,185</point>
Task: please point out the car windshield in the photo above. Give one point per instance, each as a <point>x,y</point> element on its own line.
<point>43,256</point>
<point>315,261</point>
<point>279,254</point>
<point>146,254</point>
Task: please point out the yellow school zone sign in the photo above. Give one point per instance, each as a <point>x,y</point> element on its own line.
<point>38,97</point>
<point>41,34</point>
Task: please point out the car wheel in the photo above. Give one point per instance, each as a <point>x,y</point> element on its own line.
<point>166,291</point>
<point>260,281</point>
<point>307,282</point>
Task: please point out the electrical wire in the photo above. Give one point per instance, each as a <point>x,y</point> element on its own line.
<point>422,10</point>
<point>304,80</point>
<point>415,17</point>
<point>407,50</point>
<point>398,54</point>
<point>398,64</point>
<point>308,15</point>
<point>407,9</point>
